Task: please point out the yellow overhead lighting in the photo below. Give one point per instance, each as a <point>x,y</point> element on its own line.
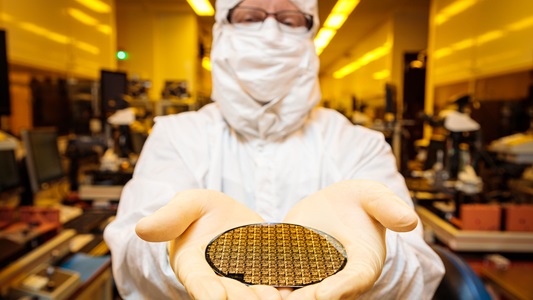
<point>202,7</point>
<point>6,17</point>
<point>96,5</point>
<point>82,17</point>
<point>383,74</point>
<point>33,28</point>
<point>365,59</point>
<point>521,24</point>
<point>89,20</point>
<point>442,52</point>
<point>458,7</point>
<point>335,20</point>
<point>453,9</point>
<point>489,36</point>
<point>206,63</point>
<point>104,28</point>
<point>87,47</point>
<point>349,68</point>
<point>440,19</point>
<point>345,6</point>
<point>51,35</point>
<point>340,13</point>
<point>57,37</point>
<point>466,43</point>
<point>484,38</point>
<point>323,38</point>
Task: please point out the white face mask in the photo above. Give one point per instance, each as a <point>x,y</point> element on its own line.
<point>265,81</point>
<point>267,62</point>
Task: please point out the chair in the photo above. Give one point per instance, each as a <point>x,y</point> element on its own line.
<point>459,282</point>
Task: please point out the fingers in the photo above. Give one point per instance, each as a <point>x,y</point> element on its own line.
<point>206,287</point>
<point>285,292</point>
<point>213,210</point>
<point>345,285</point>
<point>363,268</point>
<point>214,287</point>
<point>172,220</point>
<point>377,201</point>
<point>201,281</point>
<point>193,271</point>
<point>307,292</point>
<point>385,206</point>
<point>265,292</point>
<point>346,197</point>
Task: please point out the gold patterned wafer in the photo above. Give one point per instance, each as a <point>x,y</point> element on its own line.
<point>276,254</point>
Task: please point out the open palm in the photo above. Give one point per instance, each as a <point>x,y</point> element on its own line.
<point>190,221</point>
<point>357,213</point>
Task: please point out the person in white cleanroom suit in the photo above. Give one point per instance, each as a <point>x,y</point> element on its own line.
<point>262,152</point>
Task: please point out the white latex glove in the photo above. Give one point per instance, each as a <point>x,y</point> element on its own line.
<point>190,221</point>
<point>355,212</point>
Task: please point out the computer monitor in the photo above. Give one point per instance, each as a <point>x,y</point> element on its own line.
<point>113,87</point>
<point>10,179</point>
<point>43,160</point>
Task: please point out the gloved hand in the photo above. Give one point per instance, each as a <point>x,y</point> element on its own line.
<point>355,212</point>
<point>190,221</point>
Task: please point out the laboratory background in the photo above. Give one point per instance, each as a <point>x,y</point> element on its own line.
<point>449,83</point>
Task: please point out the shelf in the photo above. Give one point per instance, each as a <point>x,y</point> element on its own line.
<point>467,240</point>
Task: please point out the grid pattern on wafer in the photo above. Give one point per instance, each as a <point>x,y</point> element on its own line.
<point>277,254</point>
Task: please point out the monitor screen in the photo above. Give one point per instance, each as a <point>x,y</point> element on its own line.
<point>10,175</point>
<point>43,160</point>
<point>113,87</point>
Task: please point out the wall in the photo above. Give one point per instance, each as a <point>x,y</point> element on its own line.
<point>21,103</point>
<point>483,46</point>
<point>405,31</point>
<point>361,83</point>
<point>59,39</point>
<point>162,45</point>
<point>51,35</point>
<point>410,36</point>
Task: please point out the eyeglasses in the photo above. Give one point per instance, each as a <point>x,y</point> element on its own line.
<point>252,18</point>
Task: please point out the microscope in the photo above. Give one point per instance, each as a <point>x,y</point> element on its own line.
<point>455,161</point>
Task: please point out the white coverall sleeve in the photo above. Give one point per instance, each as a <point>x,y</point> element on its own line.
<point>412,269</point>
<point>141,269</point>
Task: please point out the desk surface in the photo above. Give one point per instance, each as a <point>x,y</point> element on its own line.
<point>420,185</point>
<point>514,283</point>
<point>422,189</point>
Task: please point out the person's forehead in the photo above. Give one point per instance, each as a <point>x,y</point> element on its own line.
<point>306,6</point>
<point>270,4</point>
